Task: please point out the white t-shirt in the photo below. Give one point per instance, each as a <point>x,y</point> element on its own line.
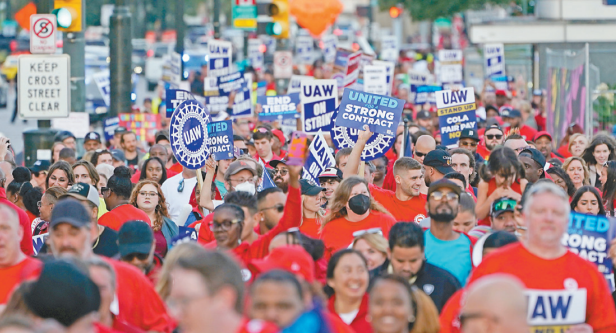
<point>348,318</point>
<point>176,199</point>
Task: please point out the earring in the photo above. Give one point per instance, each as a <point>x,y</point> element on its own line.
<point>369,318</point>
<point>411,319</point>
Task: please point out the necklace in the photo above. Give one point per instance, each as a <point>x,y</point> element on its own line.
<point>98,238</point>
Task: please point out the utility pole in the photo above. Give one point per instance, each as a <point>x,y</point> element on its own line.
<point>216,23</point>
<point>74,44</point>
<point>120,51</point>
<point>44,7</point>
<point>180,31</point>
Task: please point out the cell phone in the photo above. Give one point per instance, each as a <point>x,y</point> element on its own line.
<point>297,149</point>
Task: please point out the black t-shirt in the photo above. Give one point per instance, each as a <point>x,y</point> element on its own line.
<point>134,161</point>
<point>107,244</point>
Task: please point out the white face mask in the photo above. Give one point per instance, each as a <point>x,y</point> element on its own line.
<point>246,187</point>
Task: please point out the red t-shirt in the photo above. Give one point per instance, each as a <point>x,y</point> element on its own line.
<point>338,234</point>
<point>11,277</point>
<point>26,241</point>
<point>403,211</point>
<point>360,323</point>
<point>257,326</point>
<point>310,227</point>
<point>135,178</point>
<point>491,188</point>
<point>561,292</point>
<point>31,216</point>
<point>116,217</point>
<point>483,151</point>
<point>527,132</point>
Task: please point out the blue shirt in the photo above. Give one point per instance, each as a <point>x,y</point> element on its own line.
<point>453,256</point>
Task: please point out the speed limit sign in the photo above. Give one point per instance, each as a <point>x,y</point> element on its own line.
<point>43,33</point>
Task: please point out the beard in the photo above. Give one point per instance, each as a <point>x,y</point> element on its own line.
<point>443,213</point>
<point>489,146</point>
<point>281,184</point>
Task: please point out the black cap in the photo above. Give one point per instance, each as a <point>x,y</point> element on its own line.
<point>40,165</point>
<point>238,166</point>
<point>493,126</point>
<point>444,183</point>
<point>440,160</point>
<point>309,188</point>
<point>274,163</point>
<point>63,135</point>
<point>535,155</point>
<point>135,237</point>
<point>119,129</point>
<point>511,113</point>
<point>469,133</point>
<point>64,293</point>
<point>69,211</point>
<point>92,136</point>
<point>423,114</point>
<point>161,135</point>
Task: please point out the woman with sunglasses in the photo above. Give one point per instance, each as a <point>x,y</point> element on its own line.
<point>60,174</point>
<point>312,213</point>
<point>397,307</point>
<point>576,169</point>
<point>148,197</point>
<point>608,179</point>
<point>117,196</point>
<point>600,150</point>
<point>352,209</point>
<point>587,200</point>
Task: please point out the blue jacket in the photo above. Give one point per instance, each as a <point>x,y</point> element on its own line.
<point>170,230</point>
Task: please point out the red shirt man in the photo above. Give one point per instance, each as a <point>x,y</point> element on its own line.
<point>514,118</point>
<point>26,240</point>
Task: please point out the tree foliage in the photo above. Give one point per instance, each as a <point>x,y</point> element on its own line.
<point>432,9</point>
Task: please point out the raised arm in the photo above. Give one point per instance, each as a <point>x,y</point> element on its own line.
<point>205,200</point>
<point>352,167</point>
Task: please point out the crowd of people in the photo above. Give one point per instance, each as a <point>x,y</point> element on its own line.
<point>111,237</point>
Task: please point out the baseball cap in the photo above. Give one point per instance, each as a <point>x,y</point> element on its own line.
<point>331,173</point>
<point>92,136</point>
<point>274,163</point>
<point>423,114</point>
<point>135,237</point>
<point>511,113</point>
<point>161,135</point>
<point>444,183</point>
<point>501,92</point>
<point>537,92</point>
<point>119,129</point>
<point>501,205</point>
<point>69,211</point>
<point>439,159</point>
<point>238,166</point>
<point>535,155</point>
<point>63,135</point>
<point>118,155</point>
<point>83,192</point>
<point>469,133</point>
<point>292,258</point>
<point>494,126</point>
<point>309,188</point>
<point>278,133</point>
<point>40,165</point>
<point>542,133</point>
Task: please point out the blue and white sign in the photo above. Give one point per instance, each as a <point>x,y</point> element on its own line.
<point>173,98</point>
<point>390,72</point>
<point>389,48</point>
<point>230,82</point>
<point>494,57</point>
<point>456,112</point>
<point>380,113</point>
<point>330,43</point>
<point>242,105</point>
<point>220,139</point>
<point>296,82</point>
<point>319,158</point>
<point>185,235</point>
<point>38,241</point>
<point>589,236</point>
<point>103,82</point>
<point>450,70</point>
<point>425,94</point>
<point>109,126</point>
<point>278,107</point>
<point>319,99</point>
<point>304,47</point>
<point>219,53</point>
<point>261,88</point>
<point>377,146</point>
<point>254,53</point>
<point>188,133</point>
<point>375,80</point>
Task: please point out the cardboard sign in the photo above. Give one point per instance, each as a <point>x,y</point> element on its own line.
<point>390,66</point>
<point>185,235</point>
<point>589,236</point>
<point>188,133</point>
<point>319,158</point>
<point>375,80</point>
<point>173,98</point>
<point>364,60</point>
<point>220,139</point>
<point>377,146</point>
<point>219,53</point>
<point>304,47</point>
<point>330,43</point>
<point>230,82</point>
<point>296,82</point>
<point>425,94</point>
<point>242,104</point>
<point>352,69</point>
<point>389,48</point>
<point>109,126</point>
<point>456,111</point>
<point>103,82</point>
<point>340,67</point>
<point>144,125</point>
<point>319,99</point>
<point>380,113</point>
<point>278,107</point>
<point>254,53</point>
<point>494,57</point>
<point>450,70</point>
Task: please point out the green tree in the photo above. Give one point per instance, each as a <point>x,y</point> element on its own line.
<point>432,9</point>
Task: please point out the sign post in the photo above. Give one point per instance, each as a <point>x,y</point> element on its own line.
<point>44,86</point>
<point>43,34</point>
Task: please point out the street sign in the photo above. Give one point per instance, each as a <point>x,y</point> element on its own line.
<point>244,15</point>
<point>43,86</point>
<point>283,64</point>
<point>43,33</point>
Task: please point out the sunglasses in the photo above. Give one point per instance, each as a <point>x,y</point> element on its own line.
<point>493,136</point>
<point>283,172</point>
<point>505,205</point>
<point>181,186</point>
<point>419,154</point>
<point>438,196</point>
<point>279,208</point>
<point>139,256</point>
<point>468,144</point>
<point>373,231</point>
<point>225,225</point>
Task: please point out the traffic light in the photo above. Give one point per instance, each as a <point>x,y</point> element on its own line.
<point>275,20</point>
<point>395,11</point>
<point>68,13</point>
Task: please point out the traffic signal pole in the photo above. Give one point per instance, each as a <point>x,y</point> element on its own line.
<point>180,29</point>
<point>120,51</point>
<point>216,23</point>
<point>74,44</point>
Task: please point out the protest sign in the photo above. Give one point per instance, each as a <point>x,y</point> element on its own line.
<point>589,236</point>
<point>377,146</point>
<point>242,104</point>
<point>456,111</point>
<point>109,126</point>
<point>375,80</point>
<point>352,69</point>
<point>494,59</point>
<point>278,107</point>
<point>389,48</point>
<point>220,139</point>
<point>380,113</point>
<point>501,82</point>
<point>319,158</point>
<point>230,82</point>
<point>184,235</point>
<point>425,94</point>
<point>283,64</point>
<point>261,88</point>
<point>450,70</point>
<point>103,82</point>
<point>173,98</point>
<point>390,72</point>
<point>219,53</point>
<point>364,60</point>
<point>340,66</point>
<point>330,42</point>
<point>296,81</point>
<point>144,125</point>
<point>254,53</point>
<point>319,99</point>
<point>304,47</point>
<point>38,241</point>
<point>420,78</point>
<point>188,133</point>
<point>210,86</point>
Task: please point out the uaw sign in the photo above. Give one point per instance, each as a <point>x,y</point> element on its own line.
<point>494,56</point>
<point>456,111</point>
<point>219,57</point>
<point>319,158</point>
<point>380,113</point>
<point>188,134</point>
<point>377,145</point>
<point>319,99</point>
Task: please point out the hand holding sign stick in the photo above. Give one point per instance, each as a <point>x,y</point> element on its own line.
<point>353,163</point>
<point>205,199</point>
<point>298,151</point>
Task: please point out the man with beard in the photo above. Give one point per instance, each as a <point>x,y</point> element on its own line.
<point>406,258</point>
<point>136,244</point>
<point>493,136</point>
<point>131,150</point>
<point>516,125</point>
<point>281,174</point>
<point>469,139</point>
<point>437,164</point>
<point>446,248</point>
<point>543,142</point>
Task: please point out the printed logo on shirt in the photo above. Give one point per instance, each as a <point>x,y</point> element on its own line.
<point>418,218</point>
<point>555,308</point>
<point>246,275</point>
<point>428,289</point>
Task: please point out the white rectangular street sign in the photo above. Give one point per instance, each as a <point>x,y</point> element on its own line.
<point>43,86</point>
<point>283,64</point>
<point>43,33</point>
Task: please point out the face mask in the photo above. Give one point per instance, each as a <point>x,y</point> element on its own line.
<point>246,187</point>
<point>359,204</point>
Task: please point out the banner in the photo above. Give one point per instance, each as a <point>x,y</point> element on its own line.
<point>389,48</point>
<point>173,98</point>
<point>589,236</point>
<point>220,139</point>
<point>144,125</point>
<point>456,111</point>
<point>375,80</point>
<point>304,47</point>
<point>390,72</point>
<point>296,81</point>
<point>319,99</point>
<point>103,82</point>
<point>188,133</point>
<point>254,53</point>
<point>330,43</point>
<point>219,53</point>
<point>278,107</point>
<point>319,158</point>
<point>494,57</point>
<point>380,113</point>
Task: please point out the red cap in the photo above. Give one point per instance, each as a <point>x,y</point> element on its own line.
<point>501,92</point>
<point>290,258</point>
<point>408,106</point>
<point>542,133</point>
<point>278,133</point>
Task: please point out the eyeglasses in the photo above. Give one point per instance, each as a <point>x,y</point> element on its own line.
<point>330,181</point>
<point>468,144</point>
<point>492,136</point>
<point>225,225</point>
<point>374,231</point>
<point>438,196</point>
<point>508,204</point>
<point>139,256</point>
<point>181,186</point>
<point>279,208</point>
<point>243,180</point>
<point>283,172</point>
<point>148,194</point>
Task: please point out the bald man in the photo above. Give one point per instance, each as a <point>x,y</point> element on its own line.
<point>423,146</point>
<point>7,170</point>
<point>15,266</point>
<point>516,142</point>
<point>495,304</point>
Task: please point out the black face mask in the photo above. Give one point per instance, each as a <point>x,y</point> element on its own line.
<point>359,204</point>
